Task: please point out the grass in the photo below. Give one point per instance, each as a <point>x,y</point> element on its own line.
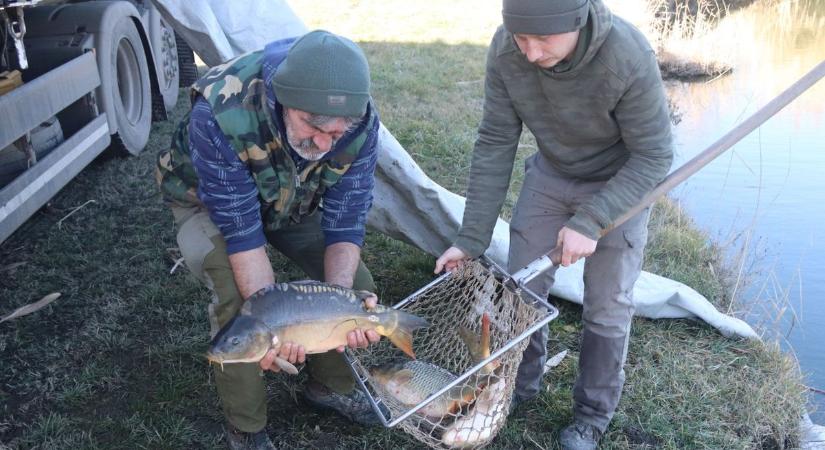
<point>117,361</point>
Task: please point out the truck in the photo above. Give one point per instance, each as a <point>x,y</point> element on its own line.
<point>77,78</point>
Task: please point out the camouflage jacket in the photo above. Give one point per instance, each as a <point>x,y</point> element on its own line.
<point>237,95</point>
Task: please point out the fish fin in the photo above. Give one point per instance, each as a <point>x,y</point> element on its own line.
<point>401,336</point>
<point>471,342</point>
<point>308,283</point>
<point>363,295</point>
<point>478,346</point>
<point>403,340</point>
<point>485,346</point>
<point>286,366</point>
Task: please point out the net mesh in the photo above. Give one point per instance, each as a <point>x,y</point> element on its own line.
<point>470,414</point>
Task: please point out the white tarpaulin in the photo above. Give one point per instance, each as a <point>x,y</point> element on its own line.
<point>219,30</point>
<point>408,205</point>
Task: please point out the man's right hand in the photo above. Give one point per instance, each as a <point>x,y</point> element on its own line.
<point>451,259</point>
<point>294,354</point>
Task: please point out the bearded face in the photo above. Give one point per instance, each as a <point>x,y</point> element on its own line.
<point>312,136</point>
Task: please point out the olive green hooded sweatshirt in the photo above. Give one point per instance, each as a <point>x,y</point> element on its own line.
<point>600,116</point>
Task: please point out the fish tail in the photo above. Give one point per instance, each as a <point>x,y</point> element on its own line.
<point>471,341</point>
<point>401,334</point>
<point>478,346</point>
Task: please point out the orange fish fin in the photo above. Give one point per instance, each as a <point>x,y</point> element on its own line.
<point>403,340</point>
<point>401,336</point>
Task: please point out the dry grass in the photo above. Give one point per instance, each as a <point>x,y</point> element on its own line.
<point>681,34</point>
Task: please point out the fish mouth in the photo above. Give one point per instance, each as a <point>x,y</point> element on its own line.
<point>213,358</point>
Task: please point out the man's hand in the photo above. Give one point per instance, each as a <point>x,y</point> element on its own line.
<point>288,352</point>
<point>574,246</point>
<point>359,338</point>
<point>452,258</point>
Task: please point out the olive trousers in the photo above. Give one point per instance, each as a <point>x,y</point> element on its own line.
<point>547,200</point>
<point>241,387</point>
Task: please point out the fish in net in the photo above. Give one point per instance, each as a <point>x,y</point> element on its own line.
<point>473,316</point>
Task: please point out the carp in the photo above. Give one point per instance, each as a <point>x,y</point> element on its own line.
<point>411,382</point>
<point>315,315</point>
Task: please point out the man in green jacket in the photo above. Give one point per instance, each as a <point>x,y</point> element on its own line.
<point>587,85</point>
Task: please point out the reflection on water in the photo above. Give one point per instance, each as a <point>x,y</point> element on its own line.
<point>766,193</point>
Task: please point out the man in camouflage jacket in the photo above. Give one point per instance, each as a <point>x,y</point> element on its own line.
<point>587,85</point>
<point>279,147</point>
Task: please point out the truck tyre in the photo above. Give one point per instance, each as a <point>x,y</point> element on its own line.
<point>164,46</point>
<point>186,63</point>
<point>124,76</point>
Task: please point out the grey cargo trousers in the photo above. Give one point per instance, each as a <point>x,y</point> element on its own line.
<point>547,200</point>
<point>241,386</point>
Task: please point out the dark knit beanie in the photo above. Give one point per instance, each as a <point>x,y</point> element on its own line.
<point>324,74</point>
<point>544,16</point>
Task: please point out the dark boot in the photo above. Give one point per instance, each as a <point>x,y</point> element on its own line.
<point>354,405</point>
<point>580,436</point>
<point>238,440</point>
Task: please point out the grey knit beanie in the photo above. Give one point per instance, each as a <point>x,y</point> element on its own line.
<point>544,16</point>
<point>324,74</point>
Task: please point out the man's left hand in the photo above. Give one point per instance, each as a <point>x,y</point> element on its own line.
<point>574,246</point>
<point>359,338</point>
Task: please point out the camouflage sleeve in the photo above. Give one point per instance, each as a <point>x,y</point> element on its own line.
<point>226,186</point>
<point>174,174</point>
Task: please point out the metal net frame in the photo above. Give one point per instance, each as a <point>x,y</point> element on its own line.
<point>462,392</point>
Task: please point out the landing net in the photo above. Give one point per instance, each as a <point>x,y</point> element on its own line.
<point>470,414</point>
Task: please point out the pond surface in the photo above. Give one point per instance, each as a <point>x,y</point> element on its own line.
<point>766,195</point>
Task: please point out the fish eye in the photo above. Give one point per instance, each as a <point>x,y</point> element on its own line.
<point>234,340</point>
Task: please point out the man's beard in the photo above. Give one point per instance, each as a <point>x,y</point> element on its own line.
<point>305,148</point>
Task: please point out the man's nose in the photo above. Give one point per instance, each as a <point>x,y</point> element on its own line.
<point>323,141</point>
<point>533,52</point>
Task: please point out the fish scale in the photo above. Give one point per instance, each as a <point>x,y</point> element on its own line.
<point>411,382</point>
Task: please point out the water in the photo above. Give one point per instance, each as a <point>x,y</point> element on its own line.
<point>767,193</point>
